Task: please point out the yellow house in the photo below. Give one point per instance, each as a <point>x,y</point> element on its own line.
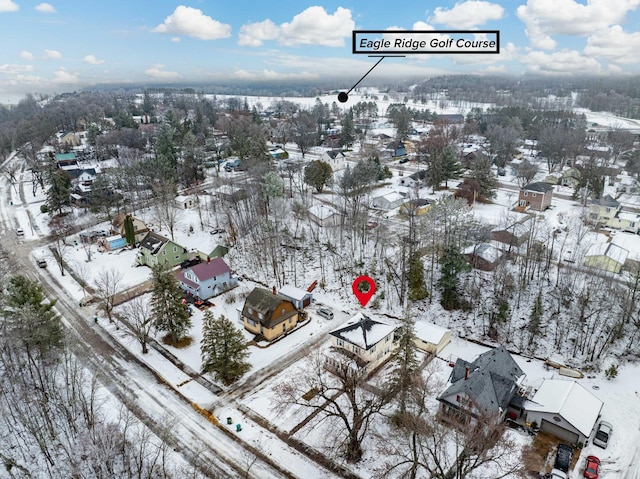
<point>606,257</point>
<point>415,206</point>
<point>430,337</point>
<point>269,314</point>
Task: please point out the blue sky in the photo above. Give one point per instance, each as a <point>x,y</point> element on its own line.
<point>65,45</point>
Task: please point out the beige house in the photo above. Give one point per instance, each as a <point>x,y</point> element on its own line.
<point>430,337</point>
<point>367,341</point>
<point>606,211</point>
<point>269,314</point>
<point>139,227</point>
<point>606,257</point>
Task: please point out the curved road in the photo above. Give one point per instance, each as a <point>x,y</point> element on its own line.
<point>200,443</point>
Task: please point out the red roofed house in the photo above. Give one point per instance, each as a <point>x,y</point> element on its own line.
<point>207,279</point>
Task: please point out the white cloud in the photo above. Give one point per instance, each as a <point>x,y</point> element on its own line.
<point>614,44</point>
<point>158,71</point>
<point>192,22</point>
<point>92,60</point>
<point>62,77</point>
<point>9,69</point>
<point>176,39</point>
<point>26,55</point>
<point>272,75</point>
<point>544,18</point>
<point>564,62</point>
<point>45,8</point>
<point>8,6</point>
<point>313,26</point>
<point>253,34</point>
<point>468,14</point>
<point>52,54</point>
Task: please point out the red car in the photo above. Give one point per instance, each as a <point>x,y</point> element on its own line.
<point>591,471</point>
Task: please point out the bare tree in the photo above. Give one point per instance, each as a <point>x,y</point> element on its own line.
<point>138,313</point>
<point>169,214</point>
<point>340,399</point>
<point>107,284</point>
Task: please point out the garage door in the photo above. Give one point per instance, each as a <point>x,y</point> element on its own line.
<point>559,432</point>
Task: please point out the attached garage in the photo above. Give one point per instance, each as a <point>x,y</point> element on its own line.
<point>561,432</point>
<point>299,297</point>
<point>565,409</point>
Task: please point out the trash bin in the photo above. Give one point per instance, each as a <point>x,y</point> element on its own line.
<point>238,428</point>
<point>229,420</point>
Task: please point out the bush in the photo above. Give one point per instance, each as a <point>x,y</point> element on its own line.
<point>611,372</point>
<point>44,209</point>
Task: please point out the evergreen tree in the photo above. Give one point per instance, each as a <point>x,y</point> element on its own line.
<point>535,318</point>
<point>482,173</point>
<point>450,165</point>
<point>451,265</point>
<point>168,312</point>
<point>318,174</point>
<point>417,286</point>
<point>406,366</point>
<point>348,132</point>
<point>59,191</point>
<point>224,349</point>
<point>129,232</point>
<point>31,319</point>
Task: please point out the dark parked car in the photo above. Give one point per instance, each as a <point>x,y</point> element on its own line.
<point>403,160</point>
<point>603,434</point>
<point>563,457</point>
<point>592,467</point>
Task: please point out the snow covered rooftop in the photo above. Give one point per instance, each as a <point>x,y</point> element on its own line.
<point>610,250</point>
<point>363,331</point>
<point>321,211</point>
<point>568,399</point>
<point>429,332</point>
<point>485,251</point>
<point>292,292</point>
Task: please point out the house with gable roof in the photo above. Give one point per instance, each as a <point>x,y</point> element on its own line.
<point>207,279</point>
<point>269,314</point>
<point>483,256</point>
<point>607,211</point>
<point>156,249</point>
<point>536,196</point>
<point>606,257</point>
<point>565,409</point>
<point>487,386</point>
<point>365,340</point>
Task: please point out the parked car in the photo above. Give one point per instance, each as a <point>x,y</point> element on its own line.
<point>232,165</point>
<point>19,232</point>
<point>326,313</point>
<point>563,457</point>
<point>41,262</point>
<point>592,467</point>
<point>603,434</point>
<point>556,474</point>
<point>403,160</point>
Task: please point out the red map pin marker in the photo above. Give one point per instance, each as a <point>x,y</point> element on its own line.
<point>363,287</point>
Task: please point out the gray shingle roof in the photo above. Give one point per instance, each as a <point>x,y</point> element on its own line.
<point>539,186</point>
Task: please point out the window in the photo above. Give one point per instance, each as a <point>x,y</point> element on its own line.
<point>340,342</point>
<point>373,348</point>
<point>250,322</point>
<point>250,310</point>
<point>557,419</point>
<point>175,248</point>
<point>261,316</point>
<point>526,193</point>
<point>523,203</point>
<point>290,320</point>
<point>284,327</point>
<point>164,252</point>
<point>282,312</point>
<point>533,194</point>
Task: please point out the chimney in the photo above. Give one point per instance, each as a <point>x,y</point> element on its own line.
<point>208,260</point>
<point>466,373</point>
<point>274,291</point>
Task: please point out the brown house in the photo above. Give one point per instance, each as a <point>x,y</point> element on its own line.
<point>269,314</point>
<point>483,256</point>
<point>140,229</point>
<point>516,233</point>
<point>536,196</point>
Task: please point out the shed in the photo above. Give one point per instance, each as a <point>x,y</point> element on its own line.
<point>388,201</point>
<point>430,337</point>
<point>185,202</point>
<point>114,242</point>
<point>606,256</point>
<point>301,298</point>
<point>565,409</point>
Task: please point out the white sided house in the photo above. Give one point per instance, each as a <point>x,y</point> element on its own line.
<point>388,201</point>
<point>565,409</point>
<point>367,341</point>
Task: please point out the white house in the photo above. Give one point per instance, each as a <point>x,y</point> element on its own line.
<point>368,341</point>
<point>335,158</point>
<point>323,215</point>
<point>565,409</point>
<point>185,202</point>
<point>430,337</point>
<point>388,201</point>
